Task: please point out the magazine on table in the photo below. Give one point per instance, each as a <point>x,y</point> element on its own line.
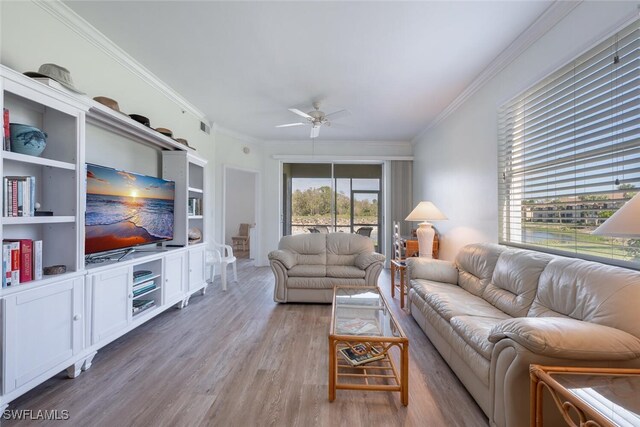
<point>358,354</point>
<point>357,326</point>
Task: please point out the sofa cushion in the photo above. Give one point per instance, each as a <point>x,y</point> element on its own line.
<point>475,264</point>
<point>568,338</point>
<point>309,249</point>
<point>343,248</point>
<point>451,300</point>
<point>307,271</point>
<point>515,280</point>
<point>432,269</point>
<point>474,330</point>
<point>344,271</point>
<point>590,291</point>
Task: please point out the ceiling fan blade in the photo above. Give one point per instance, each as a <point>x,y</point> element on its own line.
<point>338,114</point>
<point>300,113</point>
<point>290,124</point>
<point>315,131</point>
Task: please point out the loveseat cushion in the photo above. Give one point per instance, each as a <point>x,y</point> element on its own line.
<point>475,264</point>
<point>364,260</point>
<point>515,279</point>
<point>348,271</point>
<point>451,300</point>
<point>474,330</point>
<point>322,282</point>
<point>307,271</point>
<point>568,338</point>
<point>286,257</point>
<point>343,248</point>
<point>309,249</point>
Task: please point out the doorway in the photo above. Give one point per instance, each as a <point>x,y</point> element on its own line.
<point>240,207</point>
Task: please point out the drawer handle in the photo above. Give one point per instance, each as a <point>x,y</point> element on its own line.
<point>130,295</point>
<point>77,317</point>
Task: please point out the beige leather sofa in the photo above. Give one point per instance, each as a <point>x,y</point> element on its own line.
<point>497,310</point>
<point>307,266</point>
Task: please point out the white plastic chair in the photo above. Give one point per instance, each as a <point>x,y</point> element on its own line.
<point>222,255</point>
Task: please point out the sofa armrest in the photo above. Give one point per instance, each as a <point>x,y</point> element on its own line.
<point>287,258</point>
<point>432,269</point>
<point>568,338</point>
<point>364,260</point>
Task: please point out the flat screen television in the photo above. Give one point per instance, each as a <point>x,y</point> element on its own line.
<point>126,209</point>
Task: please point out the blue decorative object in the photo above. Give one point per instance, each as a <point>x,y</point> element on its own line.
<point>27,139</point>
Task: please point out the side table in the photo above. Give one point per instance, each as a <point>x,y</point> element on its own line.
<point>401,267</point>
<point>595,396</point>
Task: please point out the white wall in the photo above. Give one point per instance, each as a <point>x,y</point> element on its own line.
<point>455,162</point>
<point>240,201</point>
<point>98,73</point>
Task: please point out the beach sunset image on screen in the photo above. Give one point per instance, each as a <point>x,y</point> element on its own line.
<point>126,209</point>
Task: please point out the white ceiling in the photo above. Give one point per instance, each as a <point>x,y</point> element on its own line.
<point>394,65</point>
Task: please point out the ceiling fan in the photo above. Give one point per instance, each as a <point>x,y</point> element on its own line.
<point>315,118</point>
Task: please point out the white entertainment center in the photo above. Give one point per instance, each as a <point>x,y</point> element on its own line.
<point>61,321</point>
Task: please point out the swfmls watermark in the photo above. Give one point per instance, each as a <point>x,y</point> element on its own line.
<point>35,415</point>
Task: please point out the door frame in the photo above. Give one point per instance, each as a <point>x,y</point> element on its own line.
<point>257,203</point>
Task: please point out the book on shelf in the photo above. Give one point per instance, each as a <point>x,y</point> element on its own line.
<point>143,288</point>
<point>359,354</point>
<point>19,196</point>
<point>6,132</point>
<point>140,305</point>
<point>21,261</point>
<point>26,258</point>
<point>194,206</point>
<point>10,263</point>
<point>140,276</point>
<point>357,326</point>
<point>37,260</point>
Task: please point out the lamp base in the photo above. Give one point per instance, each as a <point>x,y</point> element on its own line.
<point>425,234</point>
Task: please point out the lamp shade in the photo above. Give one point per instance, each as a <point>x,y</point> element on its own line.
<point>625,222</point>
<point>425,211</point>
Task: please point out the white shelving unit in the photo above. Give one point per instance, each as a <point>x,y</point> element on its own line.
<point>60,322</point>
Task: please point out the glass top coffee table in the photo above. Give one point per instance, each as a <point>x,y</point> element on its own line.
<point>362,337</point>
<point>596,396</point>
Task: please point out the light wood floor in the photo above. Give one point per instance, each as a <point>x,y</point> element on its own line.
<point>236,358</point>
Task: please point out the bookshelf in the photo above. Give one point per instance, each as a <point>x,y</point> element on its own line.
<point>60,321</point>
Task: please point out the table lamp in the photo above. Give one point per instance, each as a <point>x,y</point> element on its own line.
<point>625,222</point>
<point>425,211</point>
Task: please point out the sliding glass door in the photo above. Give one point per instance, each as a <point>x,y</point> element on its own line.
<point>325,197</point>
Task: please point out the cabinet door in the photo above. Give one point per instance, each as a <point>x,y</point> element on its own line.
<point>196,268</point>
<point>174,276</point>
<point>111,303</point>
<point>43,328</point>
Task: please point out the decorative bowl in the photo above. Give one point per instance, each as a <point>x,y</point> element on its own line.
<point>26,139</point>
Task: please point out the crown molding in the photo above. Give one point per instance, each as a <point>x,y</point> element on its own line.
<point>330,158</point>
<point>234,134</point>
<point>377,144</point>
<point>80,26</point>
<point>545,22</point>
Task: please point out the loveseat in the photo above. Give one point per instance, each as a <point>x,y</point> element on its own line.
<point>307,266</point>
<point>496,310</point>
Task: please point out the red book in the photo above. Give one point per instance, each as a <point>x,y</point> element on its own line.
<point>6,134</point>
<point>26,259</point>
<point>15,263</point>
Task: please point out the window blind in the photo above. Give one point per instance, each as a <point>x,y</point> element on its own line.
<point>569,154</point>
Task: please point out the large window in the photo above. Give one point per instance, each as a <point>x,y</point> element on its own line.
<point>569,154</point>
<point>332,198</point>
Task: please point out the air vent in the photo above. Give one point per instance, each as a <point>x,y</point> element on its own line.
<point>205,128</point>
